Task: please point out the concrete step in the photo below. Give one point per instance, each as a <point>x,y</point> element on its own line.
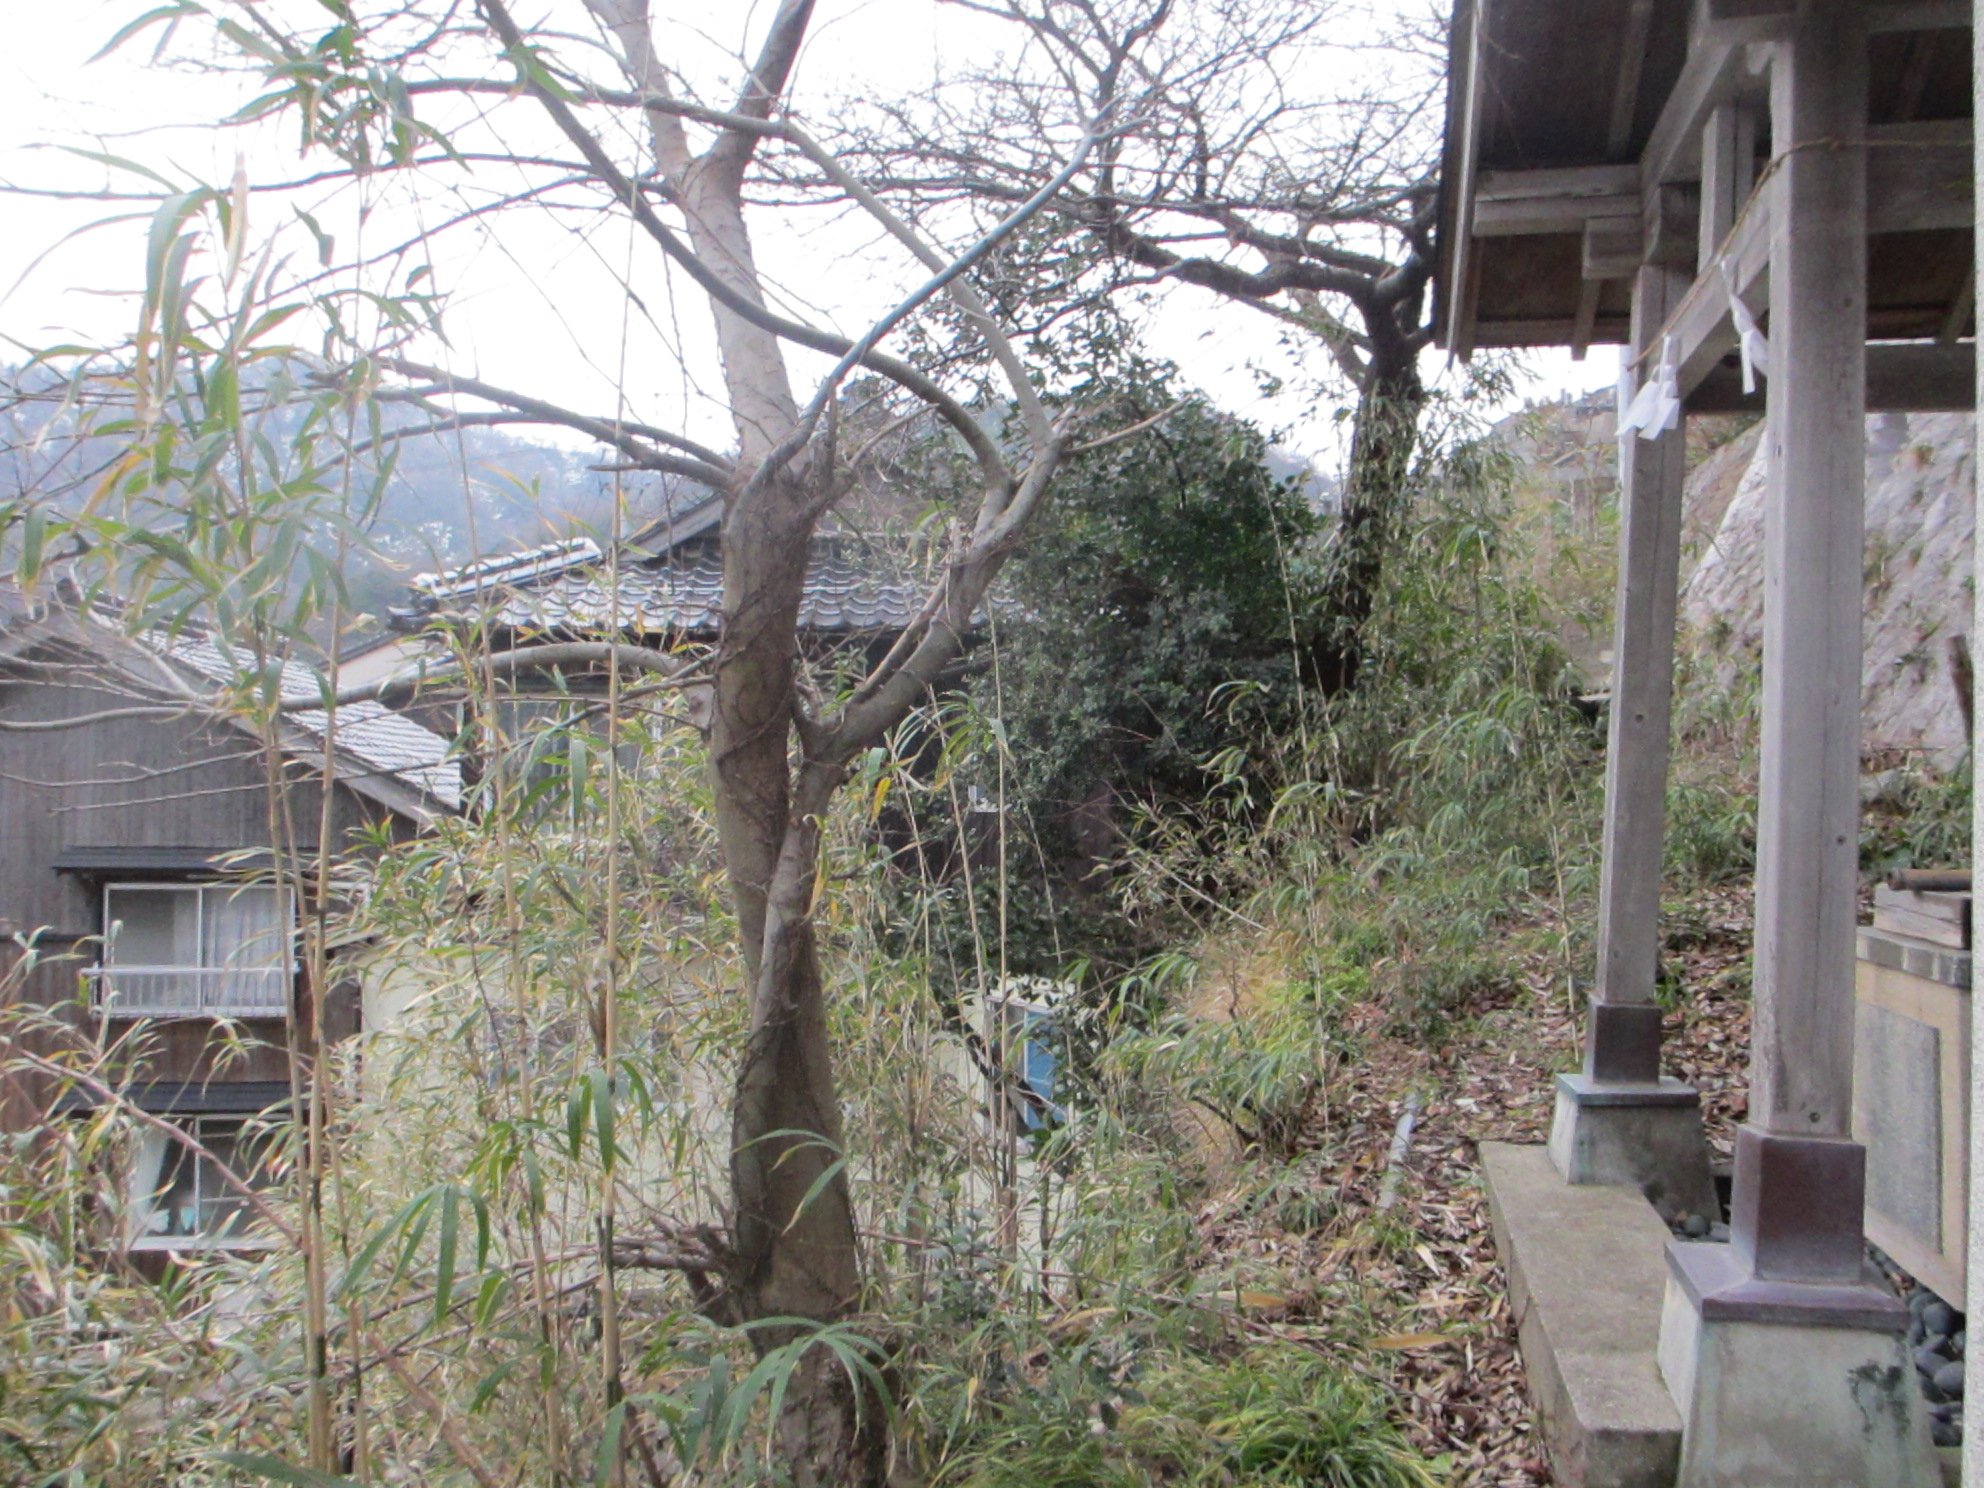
<point>1587,1271</point>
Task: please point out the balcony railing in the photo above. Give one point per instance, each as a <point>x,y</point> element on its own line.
<point>191,991</point>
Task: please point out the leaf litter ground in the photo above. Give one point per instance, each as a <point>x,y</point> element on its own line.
<point>1413,1295</point>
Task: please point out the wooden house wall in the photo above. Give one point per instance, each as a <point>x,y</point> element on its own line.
<point>150,792</point>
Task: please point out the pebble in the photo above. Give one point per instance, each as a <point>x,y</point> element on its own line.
<point>1695,1227</point>
<point>1719,1232</point>
<point>1937,1339</point>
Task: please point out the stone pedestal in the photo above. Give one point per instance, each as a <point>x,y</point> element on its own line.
<point>1789,1384</point>
<point>1645,1134</point>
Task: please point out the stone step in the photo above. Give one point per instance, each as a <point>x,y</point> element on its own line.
<point>1587,1272</point>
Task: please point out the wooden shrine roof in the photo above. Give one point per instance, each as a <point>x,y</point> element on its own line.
<point>1562,114</point>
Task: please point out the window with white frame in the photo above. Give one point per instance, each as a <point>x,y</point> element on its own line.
<point>219,950</point>
<point>182,1198</point>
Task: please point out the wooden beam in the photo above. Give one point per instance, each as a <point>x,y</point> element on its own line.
<point>1713,74</point>
<point>1720,192</point>
<point>1919,15</point>
<point>1700,326</point>
<point>1914,77</point>
<point>1771,20</point>
<point>1552,331</point>
<point>1614,248</point>
<point>1919,176</point>
<point>1910,190</point>
<point>1668,220</point>
<point>1464,118</point>
<point>1920,180</point>
<point>1961,309</point>
<point>1514,203</point>
<point>1632,63</point>
<point>1902,377</point>
<point>1585,319</point>
<point>1808,797</point>
<point>1468,311</point>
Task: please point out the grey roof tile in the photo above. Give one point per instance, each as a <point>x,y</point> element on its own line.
<point>851,589</point>
<point>367,732</point>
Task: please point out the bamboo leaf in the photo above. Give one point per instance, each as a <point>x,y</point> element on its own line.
<point>444,1262</point>
<point>814,1190</point>
<point>1402,1341</point>
<point>369,1252</point>
<point>275,1470</point>
<point>34,529</point>
<point>602,1115</point>
<point>608,1456</point>
<point>575,1116</point>
<point>118,162</point>
<point>495,1287</point>
<point>178,11</point>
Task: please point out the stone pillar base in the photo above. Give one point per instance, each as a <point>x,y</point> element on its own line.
<point>1646,1134</point>
<point>1787,1384</point>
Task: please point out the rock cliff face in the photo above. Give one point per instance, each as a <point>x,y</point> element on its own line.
<point>1920,529</point>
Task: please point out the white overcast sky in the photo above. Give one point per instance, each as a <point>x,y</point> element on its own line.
<point>527,308</point>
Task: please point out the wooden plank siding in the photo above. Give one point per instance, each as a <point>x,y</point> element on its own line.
<point>130,799</point>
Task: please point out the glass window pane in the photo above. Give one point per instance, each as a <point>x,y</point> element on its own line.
<point>152,926</point>
<point>224,1211</point>
<point>175,1213</point>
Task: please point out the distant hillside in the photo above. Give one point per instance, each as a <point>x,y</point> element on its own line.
<point>450,498</point>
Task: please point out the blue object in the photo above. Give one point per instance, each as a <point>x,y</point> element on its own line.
<point>1037,1062</point>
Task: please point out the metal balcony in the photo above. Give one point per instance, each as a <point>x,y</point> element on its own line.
<point>190,991</point>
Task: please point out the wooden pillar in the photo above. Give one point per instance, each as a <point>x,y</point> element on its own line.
<point>1624,1041</point>
<point>1800,1177</point>
<point>1619,1121</point>
<point>1973,1439</point>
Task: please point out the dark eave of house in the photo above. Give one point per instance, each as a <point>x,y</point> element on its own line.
<point>214,1097</point>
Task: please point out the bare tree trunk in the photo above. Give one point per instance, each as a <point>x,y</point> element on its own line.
<point>792,1229</point>
<point>1376,494</point>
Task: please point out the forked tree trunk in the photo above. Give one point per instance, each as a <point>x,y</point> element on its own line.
<point>795,1257</point>
<point>792,1229</point>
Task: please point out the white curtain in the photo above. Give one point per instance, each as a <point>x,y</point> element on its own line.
<point>154,932</point>
<point>245,934</point>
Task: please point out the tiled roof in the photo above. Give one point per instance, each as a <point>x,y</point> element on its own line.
<point>367,733</point>
<point>844,595</point>
<point>673,586</point>
<point>511,568</point>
